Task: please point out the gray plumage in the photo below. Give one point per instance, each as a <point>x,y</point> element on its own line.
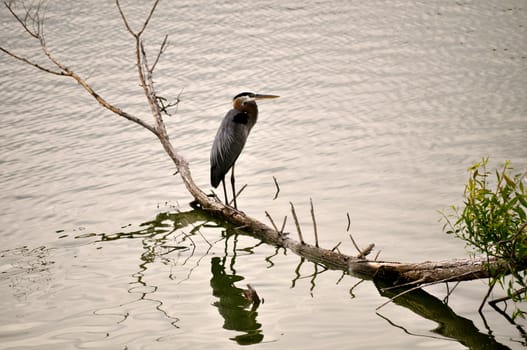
<point>228,143</point>
<point>231,137</point>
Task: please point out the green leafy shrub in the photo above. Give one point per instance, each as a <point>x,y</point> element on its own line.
<point>493,222</point>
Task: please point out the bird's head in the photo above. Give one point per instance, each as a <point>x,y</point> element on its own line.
<point>240,100</point>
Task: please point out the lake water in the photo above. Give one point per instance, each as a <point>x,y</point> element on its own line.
<point>383,107</point>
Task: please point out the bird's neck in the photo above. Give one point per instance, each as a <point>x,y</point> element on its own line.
<point>252,112</point>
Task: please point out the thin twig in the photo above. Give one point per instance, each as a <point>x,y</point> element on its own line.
<point>125,20</point>
<point>336,247</point>
<point>362,252</point>
<point>145,24</point>
<point>237,194</point>
<point>23,23</point>
<point>31,63</point>
<point>162,49</point>
<point>314,222</point>
<point>283,224</point>
<point>277,188</point>
<point>349,222</point>
<point>355,244</point>
<point>296,223</point>
<point>272,221</point>
<point>65,71</point>
<point>366,251</point>
<point>377,255</point>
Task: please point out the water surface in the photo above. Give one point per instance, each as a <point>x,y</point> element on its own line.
<point>383,107</point>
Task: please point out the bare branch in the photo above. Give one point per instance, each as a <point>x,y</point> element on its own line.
<point>63,70</point>
<point>31,63</point>
<point>145,76</point>
<point>283,224</point>
<point>272,221</point>
<point>297,224</point>
<point>377,255</point>
<point>314,222</point>
<point>354,244</point>
<point>362,252</point>
<point>23,22</point>
<point>238,194</point>
<point>125,20</point>
<point>164,107</point>
<point>366,251</point>
<point>161,51</point>
<point>111,107</point>
<point>336,247</point>
<point>145,24</point>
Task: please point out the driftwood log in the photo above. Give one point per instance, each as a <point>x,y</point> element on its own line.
<point>395,273</point>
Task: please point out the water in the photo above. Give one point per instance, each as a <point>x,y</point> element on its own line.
<point>383,107</point>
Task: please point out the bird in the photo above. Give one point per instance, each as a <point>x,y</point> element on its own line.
<point>231,137</point>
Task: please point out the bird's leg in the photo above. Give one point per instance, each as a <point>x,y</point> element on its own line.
<point>225,192</point>
<point>233,187</point>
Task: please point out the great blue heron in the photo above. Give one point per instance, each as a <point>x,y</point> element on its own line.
<point>231,137</point>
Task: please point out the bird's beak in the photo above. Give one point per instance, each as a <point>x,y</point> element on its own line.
<point>264,97</point>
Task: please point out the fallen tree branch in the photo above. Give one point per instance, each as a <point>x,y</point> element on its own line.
<point>394,272</point>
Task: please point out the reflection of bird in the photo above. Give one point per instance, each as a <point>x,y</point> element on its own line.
<point>231,137</point>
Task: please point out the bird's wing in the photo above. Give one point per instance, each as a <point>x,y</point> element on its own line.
<point>228,144</point>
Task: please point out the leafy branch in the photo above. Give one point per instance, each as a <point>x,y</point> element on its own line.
<point>493,222</point>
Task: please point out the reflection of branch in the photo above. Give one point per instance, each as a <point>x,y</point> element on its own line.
<point>191,270</point>
<point>161,238</point>
<point>449,291</point>
<point>268,258</point>
<point>450,325</point>
<point>297,272</point>
<point>277,188</point>
<point>503,312</point>
<point>313,276</point>
<point>354,286</point>
<point>407,331</point>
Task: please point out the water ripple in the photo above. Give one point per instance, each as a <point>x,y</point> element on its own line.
<point>383,106</point>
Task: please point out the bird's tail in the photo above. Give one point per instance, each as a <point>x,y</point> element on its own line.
<point>215,176</point>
